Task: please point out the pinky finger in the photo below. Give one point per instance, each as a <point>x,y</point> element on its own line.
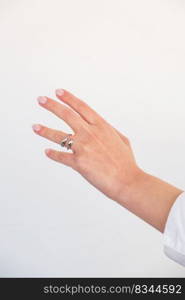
<point>61,157</point>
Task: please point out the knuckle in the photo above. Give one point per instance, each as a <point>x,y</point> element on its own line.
<point>91,134</point>
<point>67,113</point>
<point>57,137</point>
<point>59,157</point>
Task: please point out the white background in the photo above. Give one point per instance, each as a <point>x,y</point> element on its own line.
<point>126,59</point>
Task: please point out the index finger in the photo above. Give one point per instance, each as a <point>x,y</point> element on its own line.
<point>80,106</point>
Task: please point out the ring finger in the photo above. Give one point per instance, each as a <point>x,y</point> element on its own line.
<point>51,134</point>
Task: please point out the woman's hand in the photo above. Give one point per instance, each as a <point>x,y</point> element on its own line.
<point>101,154</point>
<point>104,157</point>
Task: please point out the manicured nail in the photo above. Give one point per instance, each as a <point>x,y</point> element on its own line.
<point>60,92</point>
<point>42,100</point>
<point>47,151</point>
<point>36,127</point>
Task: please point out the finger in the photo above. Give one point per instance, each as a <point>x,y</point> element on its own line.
<point>61,157</point>
<point>62,111</point>
<point>48,133</point>
<point>84,110</point>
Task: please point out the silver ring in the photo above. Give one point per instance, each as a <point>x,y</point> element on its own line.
<point>67,142</point>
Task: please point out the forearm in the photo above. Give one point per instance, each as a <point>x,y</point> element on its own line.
<point>149,198</point>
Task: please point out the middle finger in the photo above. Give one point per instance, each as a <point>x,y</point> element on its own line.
<point>62,111</point>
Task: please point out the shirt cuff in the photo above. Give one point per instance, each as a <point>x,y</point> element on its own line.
<point>174,231</point>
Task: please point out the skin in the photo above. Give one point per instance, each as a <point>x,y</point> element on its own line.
<point>104,157</point>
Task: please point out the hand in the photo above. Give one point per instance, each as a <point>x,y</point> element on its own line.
<point>101,154</point>
<point>104,157</point>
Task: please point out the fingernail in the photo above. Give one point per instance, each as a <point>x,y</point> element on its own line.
<point>36,127</point>
<point>59,92</point>
<point>42,100</point>
<point>47,151</point>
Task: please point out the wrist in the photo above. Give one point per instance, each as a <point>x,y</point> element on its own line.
<point>148,197</point>
<point>129,187</point>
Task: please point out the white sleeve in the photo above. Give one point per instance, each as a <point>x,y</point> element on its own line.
<point>174,232</point>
